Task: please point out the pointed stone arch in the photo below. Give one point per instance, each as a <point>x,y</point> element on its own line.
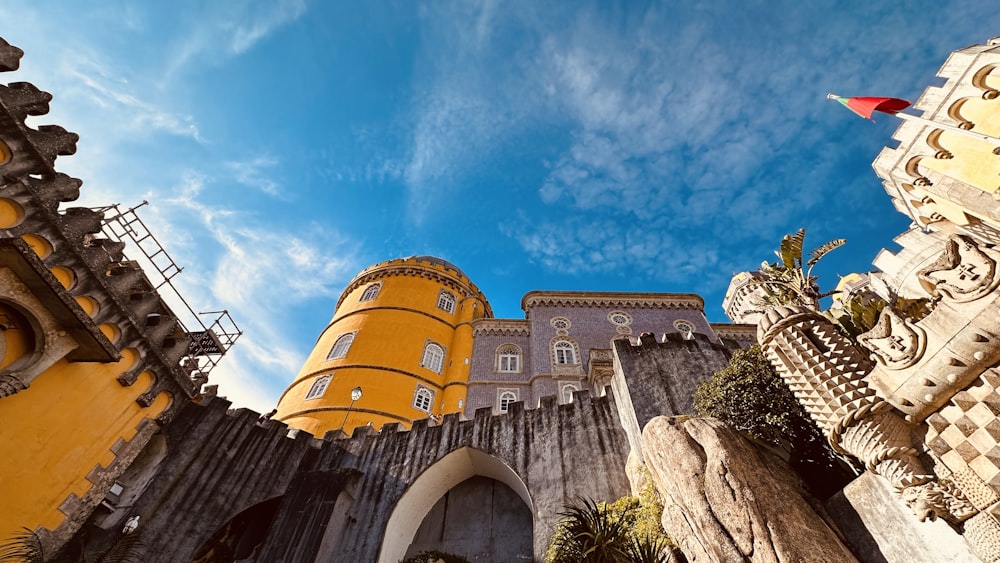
<point>443,475</point>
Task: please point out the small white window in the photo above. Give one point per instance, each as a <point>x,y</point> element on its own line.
<point>509,358</point>
<point>423,398</point>
<point>341,346</point>
<point>567,393</point>
<point>446,301</point>
<point>319,387</point>
<point>371,292</point>
<point>433,358</point>
<point>505,399</point>
<point>565,352</point>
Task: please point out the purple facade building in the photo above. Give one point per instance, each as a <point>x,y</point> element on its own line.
<point>564,343</point>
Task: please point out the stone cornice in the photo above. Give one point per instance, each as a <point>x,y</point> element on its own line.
<point>735,331</point>
<point>509,327</point>
<point>410,267</point>
<point>613,299</point>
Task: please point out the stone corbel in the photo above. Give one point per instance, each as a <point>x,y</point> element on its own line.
<point>879,437</point>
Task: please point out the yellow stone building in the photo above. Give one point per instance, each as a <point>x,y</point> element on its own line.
<point>946,181</point>
<point>92,361</point>
<point>396,350</point>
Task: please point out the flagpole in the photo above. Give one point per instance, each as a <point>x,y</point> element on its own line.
<point>875,104</point>
<point>946,127</point>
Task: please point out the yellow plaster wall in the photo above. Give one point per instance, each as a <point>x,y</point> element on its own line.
<point>39,244</point>
<point>18,336</point>
<point>973,161</point>
<point>59,429</point>
<point>11,212</point>
<point>384,359</point>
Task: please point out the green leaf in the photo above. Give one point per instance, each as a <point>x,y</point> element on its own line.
<point>822,250</point>
<point>22,547</point>
<point>791,249</point>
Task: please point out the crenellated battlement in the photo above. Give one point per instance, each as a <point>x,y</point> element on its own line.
<point>655,377</point>
<point>672,340</point>
<point>247,418</point>
<point>222,461</point>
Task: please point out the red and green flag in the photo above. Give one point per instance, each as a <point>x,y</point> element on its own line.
<point>865,106</point>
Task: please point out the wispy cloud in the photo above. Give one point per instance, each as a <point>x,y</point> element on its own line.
<point>132,114</point>
<point>256,270</point>
<point>223,30</point>
<point>255,173</point>
<point>681,123</point>
<point>260,19</point>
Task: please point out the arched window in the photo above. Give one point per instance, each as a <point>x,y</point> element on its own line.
<point>319,387</point>
<point>446,301</point>
<point>423,398</point>
<point>509,358</point>
<point>564,352</point>
<point>341,346</point>
<point>371,292</point>
<point>505,399</point>
<point>567,393</point>
<point>433,358</point>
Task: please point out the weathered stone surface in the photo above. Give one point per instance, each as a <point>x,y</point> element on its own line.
<point>339,496</point>
<point>725,500</point>
<point>635,469</point>
<point>880,529</point>
<point>659,378</point>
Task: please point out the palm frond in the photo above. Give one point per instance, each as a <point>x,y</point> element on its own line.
<point>22,547</point>
<point>128,548</point>
<point>593,533</point>
<point>649,550</point>
<point>791,249</point>
<point>822,250</point>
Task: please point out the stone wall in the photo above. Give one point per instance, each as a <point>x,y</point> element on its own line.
<point>220,465</point>
<point>660,378</point>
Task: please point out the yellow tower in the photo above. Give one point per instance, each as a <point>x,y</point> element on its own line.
<point>397,349</point>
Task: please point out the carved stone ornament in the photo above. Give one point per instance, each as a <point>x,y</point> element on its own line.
<point>964,272</point>
<point>826,373</point>
<point>894,342</point>
<point>938,498</point>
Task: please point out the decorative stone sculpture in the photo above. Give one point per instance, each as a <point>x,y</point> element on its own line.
<point>827,374</point>
<point>922,365</point>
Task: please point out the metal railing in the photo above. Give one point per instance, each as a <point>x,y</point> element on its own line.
<point>211,333</point>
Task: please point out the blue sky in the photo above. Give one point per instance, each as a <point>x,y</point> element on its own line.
<point>286,145</point>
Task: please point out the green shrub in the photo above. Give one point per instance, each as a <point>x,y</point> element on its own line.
<point>433,556</point>
<point>749,396</point>
<point>626,530</point>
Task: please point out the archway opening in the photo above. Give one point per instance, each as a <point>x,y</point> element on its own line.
<point>435,485</point>
<point>480,519</point>
<point>241,537</point>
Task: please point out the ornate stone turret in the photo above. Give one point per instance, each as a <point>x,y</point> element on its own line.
<point>827,374</point>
